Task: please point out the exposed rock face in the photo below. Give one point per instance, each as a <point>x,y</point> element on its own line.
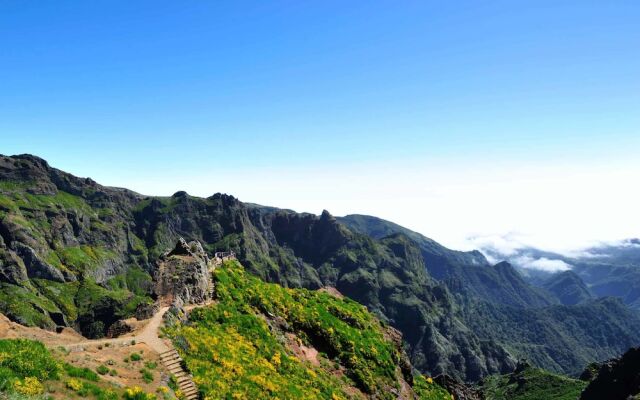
<point>12,268</point>
<point>182,274</point>
<point>118,329</point>
<point>458,389</point>
<point>617,379</point>
<point>36,268</point>
<point>146,311</point>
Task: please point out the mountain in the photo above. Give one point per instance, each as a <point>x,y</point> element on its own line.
<point>568,288</point>
<point>607,270</point>
<point>529,383</point>
<point>560,338</point>
<point>467,272</point>
<point>76,253</point>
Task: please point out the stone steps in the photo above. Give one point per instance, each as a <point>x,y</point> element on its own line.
<point>173,363</point>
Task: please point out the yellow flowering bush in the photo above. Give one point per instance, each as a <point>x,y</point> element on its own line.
<point>30,386</point>
<point>136,393</point>
<point>74,384</point>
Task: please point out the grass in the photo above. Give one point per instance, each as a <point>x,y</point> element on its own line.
<point>82,258</point>
<point>84,373</point>
<point>61,294</point>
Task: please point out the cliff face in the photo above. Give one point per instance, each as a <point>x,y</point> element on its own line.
<point>616,379</point>
<point>73,252</point>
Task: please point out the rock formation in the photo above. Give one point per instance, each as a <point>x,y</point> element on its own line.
<point>182,275</point>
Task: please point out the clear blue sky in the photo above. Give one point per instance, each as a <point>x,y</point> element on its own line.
<point>318,97</point>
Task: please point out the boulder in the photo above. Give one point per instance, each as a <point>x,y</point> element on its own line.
<point>118,329</point>
<point>146,311</point>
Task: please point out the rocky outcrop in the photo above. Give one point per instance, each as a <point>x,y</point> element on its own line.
<point>118,329</point>
<point>617,379</point>
<point>36,268</point>
<point>146,311</point>
<point>12,268</point>
<point>182,275</point>
<point>459,390</point>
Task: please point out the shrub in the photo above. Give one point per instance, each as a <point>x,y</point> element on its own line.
<point>84,373</point>
<point>150,365</point>
<point>102,370</point>
<point>74,384</point>
<point>147,376</point>
<point>135,357</point>
<point>136,393</point>
<point>30,386</point>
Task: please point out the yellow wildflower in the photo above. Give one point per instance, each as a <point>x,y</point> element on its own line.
<point>30,386</point>
<point>74,384</point>
<point>276,359</point>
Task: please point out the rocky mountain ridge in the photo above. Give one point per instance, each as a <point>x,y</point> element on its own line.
<point>101,247</point>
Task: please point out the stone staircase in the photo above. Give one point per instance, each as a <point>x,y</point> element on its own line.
<point>173,363</point>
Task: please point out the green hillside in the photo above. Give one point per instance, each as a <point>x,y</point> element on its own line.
<point>244,346</point>
<point>528,383</point>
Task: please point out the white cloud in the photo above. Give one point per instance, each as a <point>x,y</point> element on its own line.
<point>542,264</point>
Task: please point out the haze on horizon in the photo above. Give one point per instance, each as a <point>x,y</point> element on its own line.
<point>513,124</point>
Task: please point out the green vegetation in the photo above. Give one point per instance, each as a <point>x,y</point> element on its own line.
<point>29,371</point>
<point>102,370</point>
<point>147,375</point>
<point>426,389</point>
<point>531,384</point>
<point>135,357</point>
<point>61,294</point>
<point>231,350</point>
<point>24,365</point>
<point>23,304</point>
<point>150,365</point>
<point>84,373</point>
<point>82,258</point>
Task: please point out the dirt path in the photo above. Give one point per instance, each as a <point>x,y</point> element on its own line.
<point>148,335</point>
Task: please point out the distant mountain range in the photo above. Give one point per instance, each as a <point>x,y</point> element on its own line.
<point>599,271</point>
<point>76,253</point>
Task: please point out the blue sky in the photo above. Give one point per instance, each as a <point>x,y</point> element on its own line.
<point>398,109</point>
